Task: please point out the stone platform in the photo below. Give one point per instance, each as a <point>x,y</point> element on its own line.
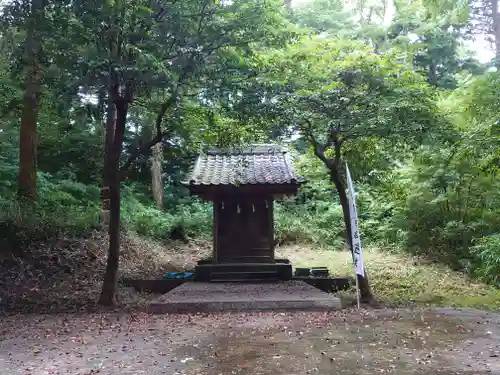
<point>192,297</point>
<point>250,272</point>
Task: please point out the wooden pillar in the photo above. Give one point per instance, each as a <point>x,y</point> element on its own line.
<point>270,211</point>
<point>215,230</point>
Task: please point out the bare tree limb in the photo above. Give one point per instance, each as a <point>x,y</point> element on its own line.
<point>319,148</point>
<point>157,138</point>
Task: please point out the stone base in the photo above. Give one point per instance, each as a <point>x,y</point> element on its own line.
<point>248,272</point>
<point>193,297</point>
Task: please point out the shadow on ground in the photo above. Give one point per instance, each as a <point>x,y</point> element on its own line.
<point>368,342</point>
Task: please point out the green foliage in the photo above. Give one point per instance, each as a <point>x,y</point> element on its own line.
<point>340,93</point>
<point>64,208</point>
<point>191,218</point>
<point>314,216</point>
<point>450,202</point>
<point>324,16</point>
<point>433,49</point>
<point>323,226</point>
<point>487,251</point>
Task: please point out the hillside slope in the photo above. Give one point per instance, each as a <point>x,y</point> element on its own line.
<point>400,279</point>
<point>66,275</point>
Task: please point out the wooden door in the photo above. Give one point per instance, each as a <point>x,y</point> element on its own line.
<point>244,231</point>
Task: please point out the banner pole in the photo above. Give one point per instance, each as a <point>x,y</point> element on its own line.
<point>356,278</point>
<point>357,288</point>
<point>355,240</point>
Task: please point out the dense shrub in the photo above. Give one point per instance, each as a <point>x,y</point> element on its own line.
<point>64,207</point>
<point>188,218</point>
<point>321,225</point>
<point>71,208</point>
<point>487,252</point>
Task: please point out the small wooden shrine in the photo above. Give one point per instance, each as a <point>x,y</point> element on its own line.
<point>242,184</point>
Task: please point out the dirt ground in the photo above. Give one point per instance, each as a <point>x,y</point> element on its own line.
<point>346,342</point>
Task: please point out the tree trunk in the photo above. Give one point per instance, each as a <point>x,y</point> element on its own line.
<point>336,178</point>
<point>108,167</point>
<point>370,15</point>
<point>361,6</point>
<point>28,132</point>
<point>385,8</point>
<point>432,77</point>
<point>110,282</point>
<point>156,173</point>
<point>495,14</point>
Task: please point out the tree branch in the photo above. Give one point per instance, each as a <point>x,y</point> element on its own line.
<point>202,17</point>
<point>163,11</point>
<point>159,119</point>
<point>157,138</point>
<point>319,149</point>
<point>338,152</point>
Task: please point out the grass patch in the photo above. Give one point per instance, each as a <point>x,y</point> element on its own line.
<point>401,279</point>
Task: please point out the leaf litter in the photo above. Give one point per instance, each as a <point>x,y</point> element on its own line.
<point>65,275</point>
<point>363,342</point>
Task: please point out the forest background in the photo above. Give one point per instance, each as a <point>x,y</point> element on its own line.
<point>115,99</point>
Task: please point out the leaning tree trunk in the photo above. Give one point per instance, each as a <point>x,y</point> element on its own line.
<point>110,282</point>
<point>156,173</point>
<point>336,178</point>
<point>28,132</point>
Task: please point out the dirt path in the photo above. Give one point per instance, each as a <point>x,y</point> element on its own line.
<point>376,342</point>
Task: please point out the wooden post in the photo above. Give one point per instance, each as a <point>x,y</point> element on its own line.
<point>215,230</point>
<point>270,211</point>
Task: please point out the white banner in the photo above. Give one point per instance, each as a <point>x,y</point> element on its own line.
<point>356,241</point>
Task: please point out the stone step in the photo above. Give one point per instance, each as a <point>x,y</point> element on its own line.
<point>211,261</point>
<point>243,271</point>
<point>192,297</point>
<point>245,276</point>
<point>248,280</point>
<point>243,267</point>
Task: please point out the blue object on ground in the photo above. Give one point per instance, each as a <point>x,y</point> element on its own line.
<point>178,275</point>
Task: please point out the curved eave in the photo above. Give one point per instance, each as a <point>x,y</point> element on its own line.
<point>211,191</point>
<point>247,184</point>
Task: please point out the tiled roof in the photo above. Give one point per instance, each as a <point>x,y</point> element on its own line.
<point>251,165</point>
